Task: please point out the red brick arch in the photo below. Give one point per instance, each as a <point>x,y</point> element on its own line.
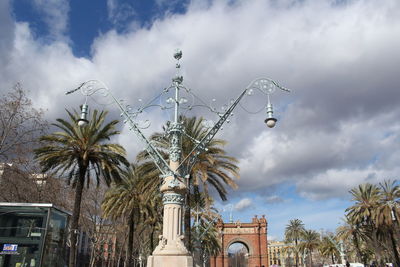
<point>253,235</point>
<point>239,240</point>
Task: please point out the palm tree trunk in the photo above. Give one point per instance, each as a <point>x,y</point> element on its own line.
<point>377,246</point>
<point>357,246</point>
<point>92,255</point>
<point>395,251</point>
<point>153,226</point>
<point>131,231</point>
<point>121,251</point>
<point>188,235</point>
<point>75,215</point>
<point>297,253</point>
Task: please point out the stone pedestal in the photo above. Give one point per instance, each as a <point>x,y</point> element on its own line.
<point>175,261</point>
<point>171,250</point>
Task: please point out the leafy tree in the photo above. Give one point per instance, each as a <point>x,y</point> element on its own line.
<point>328,248</point>
<point>387,213</point>
<point>205,233</point>
<point>20,126</point>
<point>372,220</point>
<point>80,152</point>
<point>310,241</point>
<point>99,230</point>
<point>366,199</point>
<point>130,198</point>
<point>293,233</point>
<point>17,184</point>
<point>152,214</point>
<point>349,231</point>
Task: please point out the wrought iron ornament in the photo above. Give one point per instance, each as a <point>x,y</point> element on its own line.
<point>175,129</point>
<point>173,198</point>
<point>174,132</point>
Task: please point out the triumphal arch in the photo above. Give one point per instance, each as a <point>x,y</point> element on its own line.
<point>252,237</point>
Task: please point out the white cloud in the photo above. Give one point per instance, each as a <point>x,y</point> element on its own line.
<point>119,13</point>
<point>338,127</point>
<point>243,204</point>
<point>55,15</point>
<point>6,33</point>
<point>274,199</point>
<point>324,163</point>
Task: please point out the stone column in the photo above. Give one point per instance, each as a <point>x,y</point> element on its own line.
<point>171,250</point>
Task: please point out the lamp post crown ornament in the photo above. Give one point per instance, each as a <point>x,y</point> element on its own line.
<point>171,250</point>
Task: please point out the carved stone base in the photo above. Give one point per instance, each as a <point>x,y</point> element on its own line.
<point>173,248</point>
<point>169,261</point>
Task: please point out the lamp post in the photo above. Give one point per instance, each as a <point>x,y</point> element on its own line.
<point>200,257</point>
<point>342,253</point>
<point>171,250</point>
<point>392,205</point>
<point>340,247</point>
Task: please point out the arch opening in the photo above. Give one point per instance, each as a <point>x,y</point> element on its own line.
<point>238,254</point>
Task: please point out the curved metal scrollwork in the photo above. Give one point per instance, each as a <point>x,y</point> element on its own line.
<point>265,85</point>
<point>175,131</point>
<point>91,87</point>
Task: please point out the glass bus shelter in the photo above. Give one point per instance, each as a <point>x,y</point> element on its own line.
<point>33,235</point>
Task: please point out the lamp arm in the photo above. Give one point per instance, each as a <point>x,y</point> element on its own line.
<point>88,88</point>
<point>265,85</point>
<point>160,162</point>
<point>200,146</point>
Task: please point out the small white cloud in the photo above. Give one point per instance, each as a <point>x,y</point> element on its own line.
<point>274,199</point>
<point>243,204</point>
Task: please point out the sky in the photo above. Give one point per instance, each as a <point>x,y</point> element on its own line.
<point>338,128</point>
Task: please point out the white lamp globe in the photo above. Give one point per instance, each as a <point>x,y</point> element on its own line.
<point>271,122</point>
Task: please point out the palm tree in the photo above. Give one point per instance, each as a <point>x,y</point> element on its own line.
<point>350,231</point>
<point>79,152</point>
<point>310,241</point>
<point>210,241</point>
<point>293,233</point>
<point>152,223</point>
<point>204,231</point>
<point>363,212</point>
<point>213,167</point>
<point>328,248</point>
<point>388,213</point>
<point>127,198</point>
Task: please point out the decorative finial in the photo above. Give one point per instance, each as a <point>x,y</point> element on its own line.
<point>178,54</point>
<point>178,78</point>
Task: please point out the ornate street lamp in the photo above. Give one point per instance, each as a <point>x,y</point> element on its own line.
<point>83,121</point>
<point>392,205</point>
<point>171,251</point>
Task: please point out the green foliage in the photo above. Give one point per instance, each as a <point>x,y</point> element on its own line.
<point>204,233</point>
<point>328,248</point>
<point>137,202</point>
<point>81,153</point>
<point>69,150</point>
<point>293,233</point>
<point>310,241</point>
<point>372,222</point>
